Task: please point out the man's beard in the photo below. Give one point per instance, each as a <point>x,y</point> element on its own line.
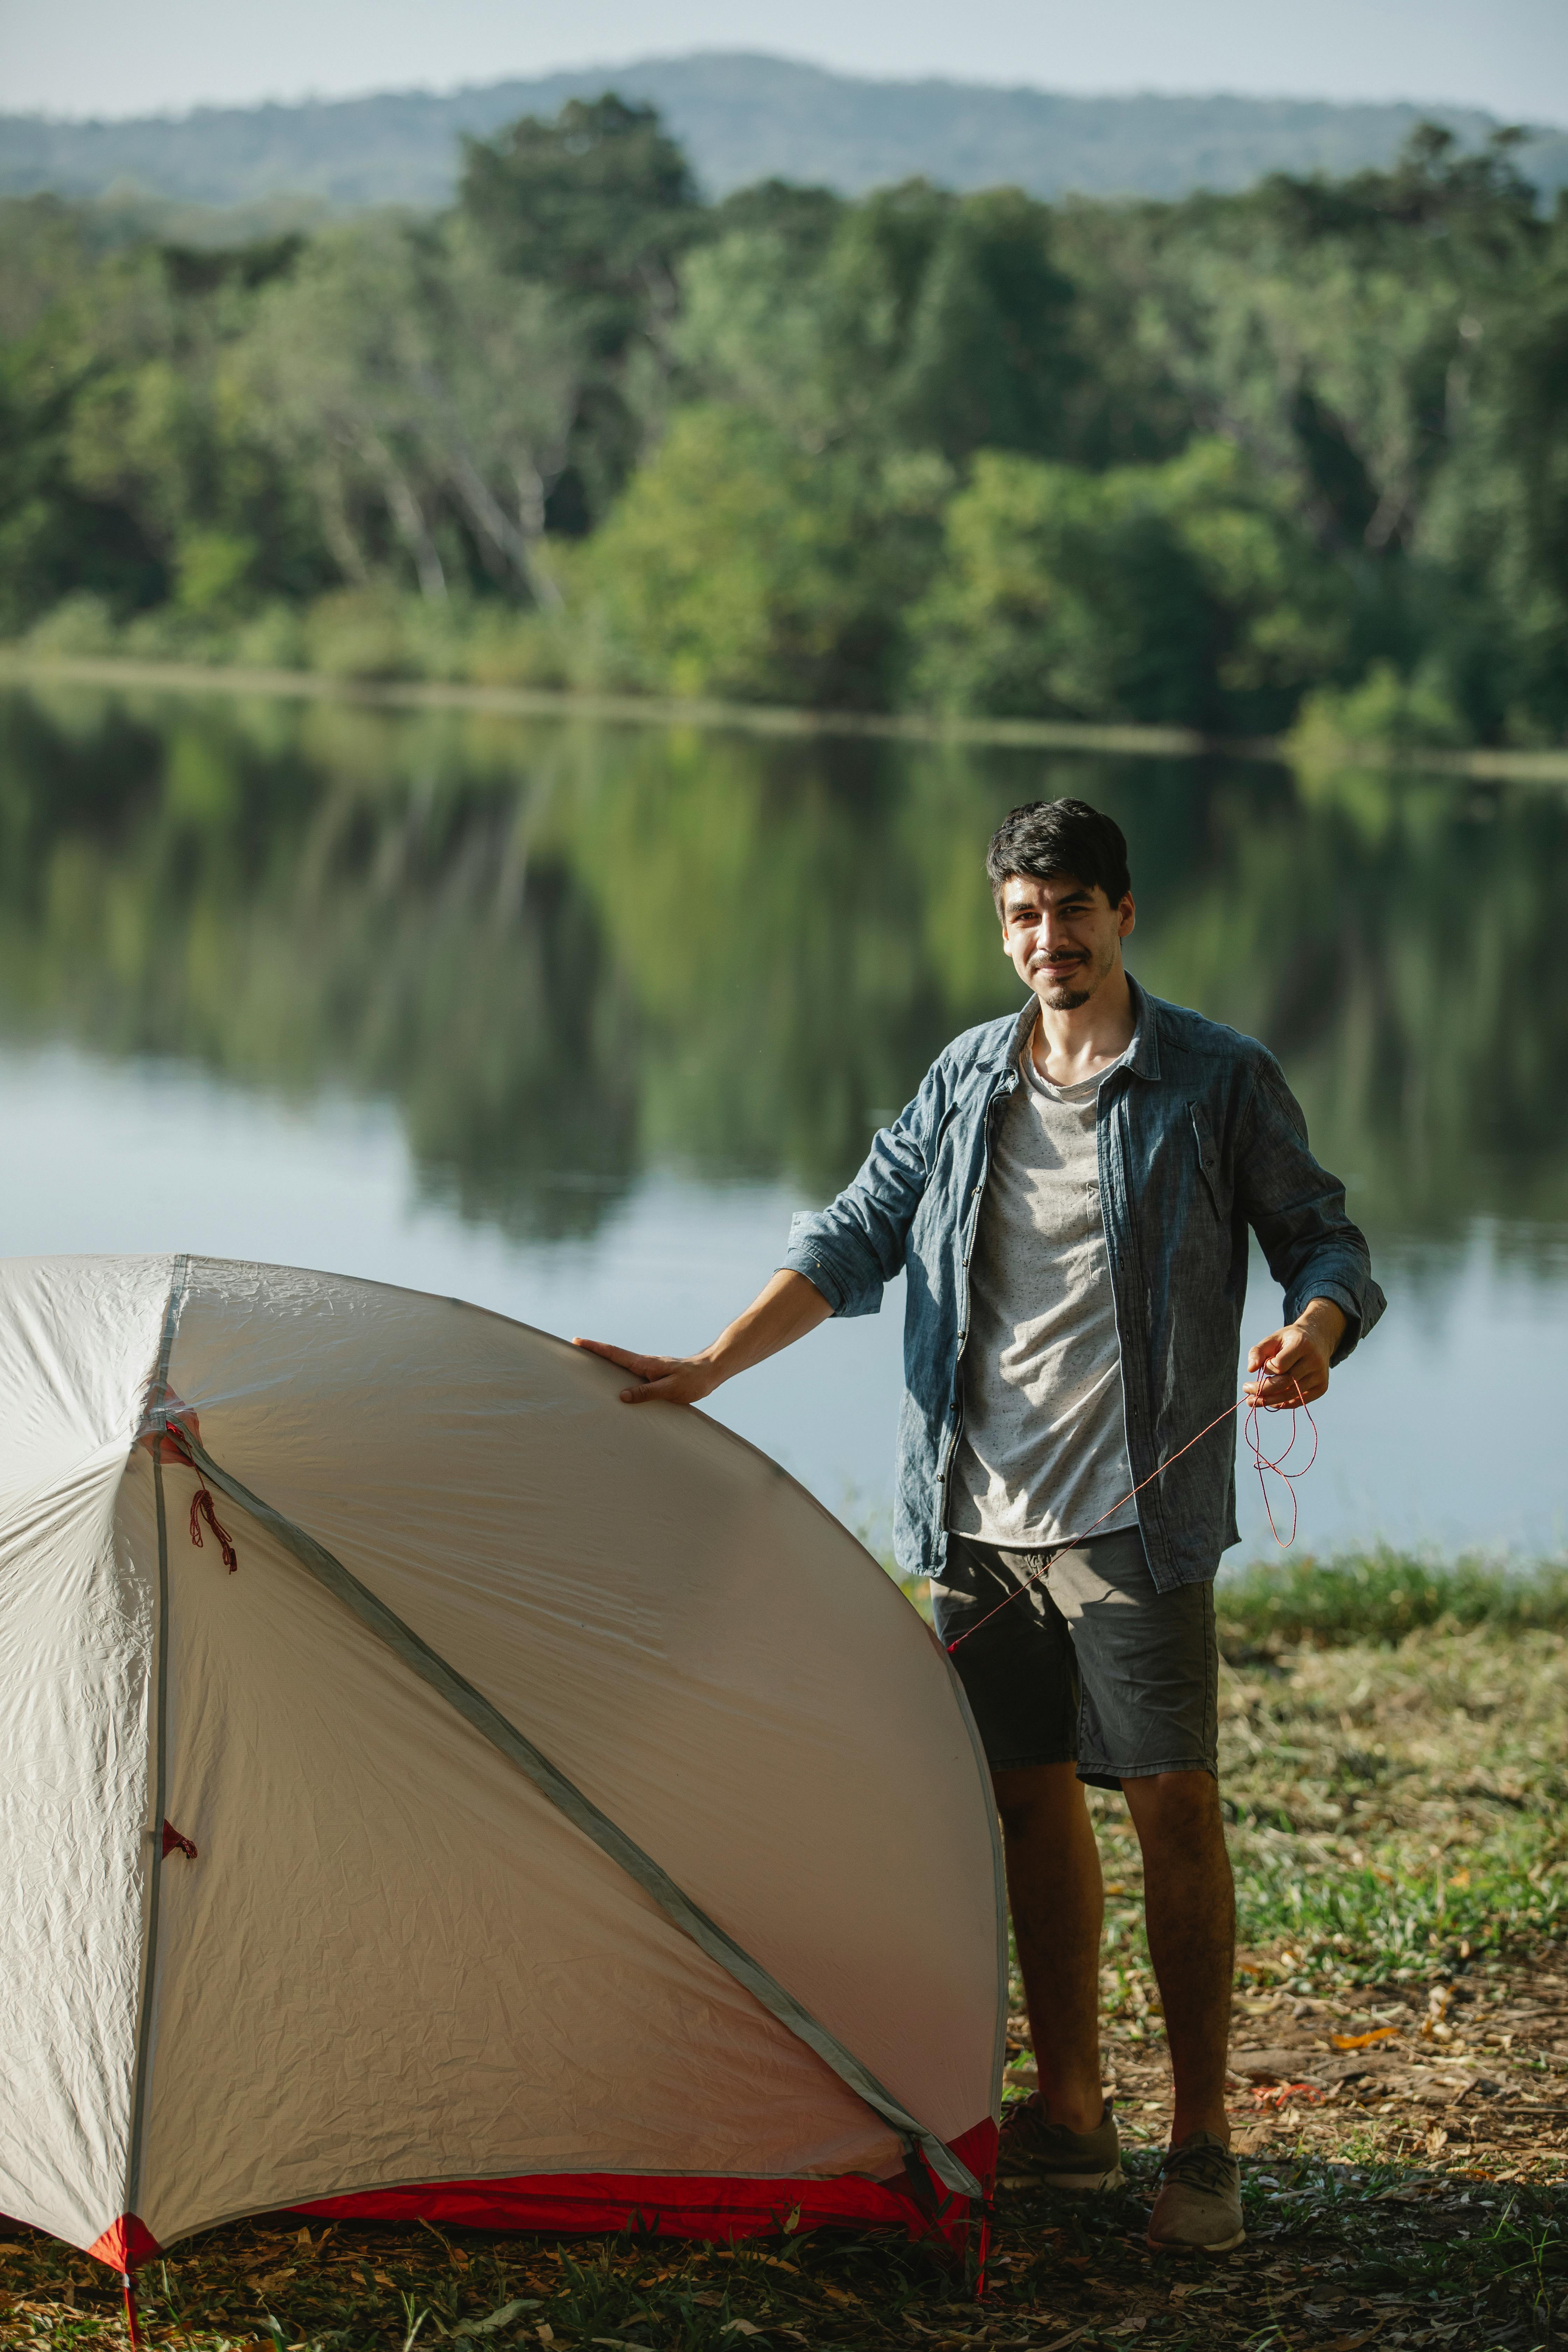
<point>1077,986</point>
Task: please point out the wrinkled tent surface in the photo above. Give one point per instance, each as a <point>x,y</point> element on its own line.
<point>584,1828</point>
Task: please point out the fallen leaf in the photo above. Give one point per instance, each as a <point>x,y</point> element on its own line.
<point>1363,2041</point>
<point>497,2319</point>
<point>1282,2093</point>
<point>739,2327</point>
<point>273,2278</point>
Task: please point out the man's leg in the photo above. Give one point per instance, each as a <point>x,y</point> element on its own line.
<point>1058,1902</point>
<point>1189,1909</point>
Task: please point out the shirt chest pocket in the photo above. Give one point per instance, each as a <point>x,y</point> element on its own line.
<point>1213,1180</point>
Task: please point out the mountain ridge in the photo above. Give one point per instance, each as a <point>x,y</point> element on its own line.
<point>743,116</point>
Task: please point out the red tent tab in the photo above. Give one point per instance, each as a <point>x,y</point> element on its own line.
<point>125,2243</point>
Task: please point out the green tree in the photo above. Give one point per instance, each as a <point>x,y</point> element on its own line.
<point>736,566</point>
<point>1176,594</point>
<point>425,394</point>
<point>914,320</point>
<point>595,206</point>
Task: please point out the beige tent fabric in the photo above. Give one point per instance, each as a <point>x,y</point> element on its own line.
<point>77,1623</point>
<point>392,1959</point>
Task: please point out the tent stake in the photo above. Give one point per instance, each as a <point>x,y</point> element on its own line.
<point>131,2321</point>
<point>977,2252</point>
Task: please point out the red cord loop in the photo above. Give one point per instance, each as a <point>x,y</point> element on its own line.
<point>1274,1466</point>
<point>202,1509</point>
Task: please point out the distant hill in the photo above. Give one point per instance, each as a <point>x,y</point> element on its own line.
<point>742,117</point>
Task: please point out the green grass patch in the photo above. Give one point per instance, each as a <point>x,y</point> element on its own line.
<point>1381,1597</point>
<point>1397,1914</point>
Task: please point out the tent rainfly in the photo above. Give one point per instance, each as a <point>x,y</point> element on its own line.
<point>433,1789</point>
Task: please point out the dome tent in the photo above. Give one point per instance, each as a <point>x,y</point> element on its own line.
<point>433,1789</point>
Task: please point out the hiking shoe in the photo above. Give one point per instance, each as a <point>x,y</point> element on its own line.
<point>1057,2158</point>
<point>1198,2208</point>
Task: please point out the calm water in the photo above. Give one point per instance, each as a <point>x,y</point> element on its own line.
<point>567,1019</point>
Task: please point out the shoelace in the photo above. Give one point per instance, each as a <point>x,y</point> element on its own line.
<point>1205,2169</point>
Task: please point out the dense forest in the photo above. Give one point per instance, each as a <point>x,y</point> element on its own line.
<point>1298,455</point>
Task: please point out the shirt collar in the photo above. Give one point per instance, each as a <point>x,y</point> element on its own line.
<point>1143,1058</point>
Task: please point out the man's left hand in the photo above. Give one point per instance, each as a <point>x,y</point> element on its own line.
<point>1292,1365</point>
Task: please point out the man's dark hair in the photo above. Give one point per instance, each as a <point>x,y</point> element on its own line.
<point>1046,838</point>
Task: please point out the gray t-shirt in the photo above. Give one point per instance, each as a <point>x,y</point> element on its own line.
<point>1043,1449</point>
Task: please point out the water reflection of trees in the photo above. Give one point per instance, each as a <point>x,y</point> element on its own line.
<point>568,952</point>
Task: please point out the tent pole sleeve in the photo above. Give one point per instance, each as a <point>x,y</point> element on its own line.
<point>157,1401</point>
<point>485,1719</point>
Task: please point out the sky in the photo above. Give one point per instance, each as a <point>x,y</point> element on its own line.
<point>100,56</point>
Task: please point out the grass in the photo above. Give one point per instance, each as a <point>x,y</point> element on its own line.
<point>1394,1765</point>
<point>1380,1597</point>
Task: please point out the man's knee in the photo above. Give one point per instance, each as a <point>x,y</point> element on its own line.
<point>1180,1807</point>
<point>1037,1799</point>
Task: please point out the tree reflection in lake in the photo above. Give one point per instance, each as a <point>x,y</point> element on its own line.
<point>569,952</point>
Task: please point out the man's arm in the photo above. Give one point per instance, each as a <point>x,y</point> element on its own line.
<point>1319,1258</point>
<point>851,1248</point>
<point>787,1310</point>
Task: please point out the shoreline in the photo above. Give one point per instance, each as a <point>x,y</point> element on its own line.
<point>115,671</point>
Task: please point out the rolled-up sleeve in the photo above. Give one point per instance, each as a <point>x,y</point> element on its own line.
<point>852,1249</point>
<point>1298,1211</point>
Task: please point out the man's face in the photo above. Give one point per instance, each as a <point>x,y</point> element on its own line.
<point>1063,939</point>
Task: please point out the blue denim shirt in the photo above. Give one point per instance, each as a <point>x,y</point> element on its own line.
<point>1199,1138</point>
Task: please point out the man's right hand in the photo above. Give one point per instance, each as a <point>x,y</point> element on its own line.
<point>787,1309</point>
<point>661,1379</point>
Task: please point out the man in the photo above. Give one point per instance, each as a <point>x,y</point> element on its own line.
<point>1070,1192</point>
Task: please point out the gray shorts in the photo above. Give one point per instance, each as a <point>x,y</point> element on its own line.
<point>1089,1665</point>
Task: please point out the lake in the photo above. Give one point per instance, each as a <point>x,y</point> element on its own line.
<point>567,1017</point>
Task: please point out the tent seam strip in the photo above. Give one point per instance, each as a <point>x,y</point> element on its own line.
<point>157,1417</point>
<point>579,1810</point>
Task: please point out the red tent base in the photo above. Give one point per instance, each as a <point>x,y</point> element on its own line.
<point>682,2205</point>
